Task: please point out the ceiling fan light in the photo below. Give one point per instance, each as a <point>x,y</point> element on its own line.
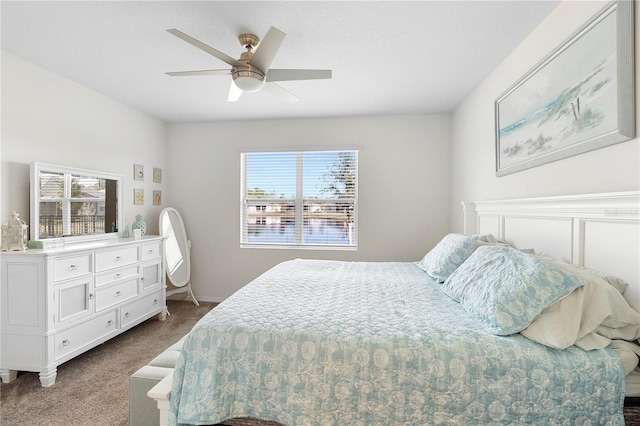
<point>248,80</point>
<point>248,84</point>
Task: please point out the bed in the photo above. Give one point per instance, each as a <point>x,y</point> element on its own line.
<point>436,341</point>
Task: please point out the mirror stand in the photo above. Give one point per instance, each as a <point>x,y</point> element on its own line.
<point>177,252</point>
<point>187,288</point>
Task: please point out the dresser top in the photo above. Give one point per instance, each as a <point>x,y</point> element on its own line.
<point>83,246</point>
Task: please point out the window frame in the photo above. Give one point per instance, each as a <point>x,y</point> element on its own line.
<point>299,201</point>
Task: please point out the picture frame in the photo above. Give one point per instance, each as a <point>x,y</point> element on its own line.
<point>577,99</point>
<point>157,175</point>
<point>157,198</point>
<point>138,172</point>
<point>138,196</point>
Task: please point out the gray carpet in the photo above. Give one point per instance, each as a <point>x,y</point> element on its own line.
<point>93,388</point>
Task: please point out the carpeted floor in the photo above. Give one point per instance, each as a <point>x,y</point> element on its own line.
<point>93,388</point>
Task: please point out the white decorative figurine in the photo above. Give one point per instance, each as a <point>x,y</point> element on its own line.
<point>14,234</point>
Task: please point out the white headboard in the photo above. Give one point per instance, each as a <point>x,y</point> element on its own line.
<point>599,231</point>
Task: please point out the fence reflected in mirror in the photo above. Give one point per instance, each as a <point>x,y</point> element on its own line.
<point>74,203</point>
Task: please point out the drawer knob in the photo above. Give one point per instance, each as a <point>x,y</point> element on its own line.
<point>142,279</point>
<point>73,267</point>
<point>127,314</point>
<point>155,301</point>
<point>150,252</point>
<point>90,296</point>
<point>117,276</point>
<point>65,342</point>
<point>117,294</point>
<point>118,258</point>
<point>109,323</point>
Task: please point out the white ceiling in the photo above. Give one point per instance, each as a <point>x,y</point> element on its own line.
<point>398,57</point>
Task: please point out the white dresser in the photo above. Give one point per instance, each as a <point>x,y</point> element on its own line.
<point>57,304</point>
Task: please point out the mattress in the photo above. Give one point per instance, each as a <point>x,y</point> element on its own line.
<point>355,343</point>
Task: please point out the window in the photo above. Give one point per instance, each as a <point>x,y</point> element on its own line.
<point>73,202</point>
<point>299,199</point>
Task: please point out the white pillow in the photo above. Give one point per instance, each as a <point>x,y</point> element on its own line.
<point>619,284</point>
<point>558,326</point>
<point>589,317</point>
<point>628,353</point>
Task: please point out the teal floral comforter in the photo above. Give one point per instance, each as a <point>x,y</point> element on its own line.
<point>354,343</point>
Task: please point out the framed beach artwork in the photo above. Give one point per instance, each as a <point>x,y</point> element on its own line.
<point>579,98</point>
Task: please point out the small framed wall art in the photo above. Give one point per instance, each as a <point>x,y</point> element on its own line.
<point>138,172</point>
<point>138,196</point>
<point>157,175</point>
<point>157,198</point>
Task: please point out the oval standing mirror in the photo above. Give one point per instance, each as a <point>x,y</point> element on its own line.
<point>177,252</point>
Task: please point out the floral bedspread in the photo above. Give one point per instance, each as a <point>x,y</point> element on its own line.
<point>355,343</point>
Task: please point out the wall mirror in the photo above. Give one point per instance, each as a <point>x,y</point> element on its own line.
<point>74,204</point>
<point>177,252</point>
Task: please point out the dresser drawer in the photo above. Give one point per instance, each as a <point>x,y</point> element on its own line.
<point>75,338</point>
<point>138,309</point>
<point>116,275</point>
<point>116,258</point>
<point>65,268</point>
<point>116,294</point>
<point>150,250</point>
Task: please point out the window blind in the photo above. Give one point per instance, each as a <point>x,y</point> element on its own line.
<point>71,205</point>
<point>299,198</point>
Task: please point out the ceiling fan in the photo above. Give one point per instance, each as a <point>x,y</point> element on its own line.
<point>251,72</point>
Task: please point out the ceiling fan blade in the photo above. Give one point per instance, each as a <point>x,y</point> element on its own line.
<point>267,49</point>
<point>234,93</point>
<point>280,92</point>
<point>288,75</point>
<point>200,45</point>
<point>201,72</point>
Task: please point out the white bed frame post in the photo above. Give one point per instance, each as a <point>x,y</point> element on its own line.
<point>469,212</point>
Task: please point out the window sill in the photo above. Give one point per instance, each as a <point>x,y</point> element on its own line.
<point>298,247</point>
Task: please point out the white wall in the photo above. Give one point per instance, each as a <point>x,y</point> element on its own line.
<point>403,190</point>
<point>50,119</point>
<point>404,161</point>
<point>613,168</point>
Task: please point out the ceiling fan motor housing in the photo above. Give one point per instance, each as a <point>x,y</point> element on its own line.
<point>247,77</point>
